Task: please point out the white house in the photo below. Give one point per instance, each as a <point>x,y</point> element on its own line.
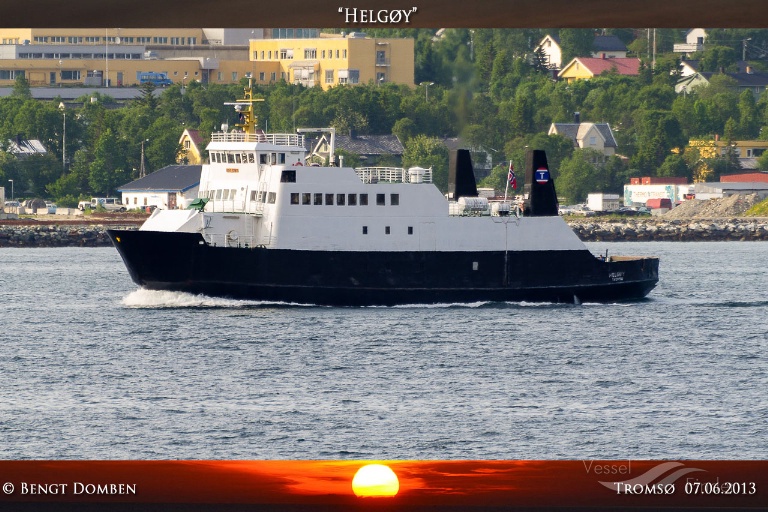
<point>172,187</point>
<point>597,136</point>
<point>694,41</point>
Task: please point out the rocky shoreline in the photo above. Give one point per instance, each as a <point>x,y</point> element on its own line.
<point>671,230</point>
<point>84,234</point>
<point>59,235</point>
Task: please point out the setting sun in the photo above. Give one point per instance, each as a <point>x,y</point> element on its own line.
<point>375,480</point>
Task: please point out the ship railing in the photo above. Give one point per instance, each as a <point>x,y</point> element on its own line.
<point>393,175</point>
<point>278,139</point>
<point>234,206</point>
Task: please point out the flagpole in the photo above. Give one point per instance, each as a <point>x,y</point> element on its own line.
<point>506,188</point>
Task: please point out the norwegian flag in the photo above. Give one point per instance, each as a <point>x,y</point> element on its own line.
<point>511,178</point>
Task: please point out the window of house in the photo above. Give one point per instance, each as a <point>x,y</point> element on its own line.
<point>310,53</point>
<point>380,199</point>
<point>70,75</point>
<point>234,76</point>
<point>329,76</point>
<point>262,76</point>
<point>220,76</point>
<point>273,76</point>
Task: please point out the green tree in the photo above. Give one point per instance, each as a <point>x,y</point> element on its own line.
<point>423,151</point>
<point>674,165</point>
<point>578,176</point>
<point>576,42</point>
<point>21,87</point>
<point>105,176</point>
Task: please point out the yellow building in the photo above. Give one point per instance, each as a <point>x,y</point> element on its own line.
<point>584,68</point>
<point>116,57</point>
<point>333,60</point>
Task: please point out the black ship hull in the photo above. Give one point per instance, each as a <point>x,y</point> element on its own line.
<point>185,262</point>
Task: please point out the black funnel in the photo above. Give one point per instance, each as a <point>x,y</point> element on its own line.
<point>461,176</point>
<point>539,185</point>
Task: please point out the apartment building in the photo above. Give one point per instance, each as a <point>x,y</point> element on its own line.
<point>331,60</point>
<point>117,57</point>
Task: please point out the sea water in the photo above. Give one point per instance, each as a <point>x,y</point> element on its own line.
<point>92,367</point>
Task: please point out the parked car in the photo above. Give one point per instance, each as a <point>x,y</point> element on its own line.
<point>84,205</point>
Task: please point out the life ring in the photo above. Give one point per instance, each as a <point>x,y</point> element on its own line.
<point>298,163</point>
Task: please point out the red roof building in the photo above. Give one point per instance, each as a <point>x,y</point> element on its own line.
<point>582,68</point>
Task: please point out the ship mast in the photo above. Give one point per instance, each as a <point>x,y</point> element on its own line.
<point>247,119</point>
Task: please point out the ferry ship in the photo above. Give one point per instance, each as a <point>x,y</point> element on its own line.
<point>269,226</point>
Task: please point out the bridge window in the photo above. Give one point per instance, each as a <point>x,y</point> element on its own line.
<point>394,199</point>
<point>380,199</point>
<point>288,177</point>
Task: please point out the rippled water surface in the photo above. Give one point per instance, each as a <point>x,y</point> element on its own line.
<point>92,367</point>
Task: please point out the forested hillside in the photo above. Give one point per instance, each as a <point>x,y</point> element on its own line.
<point>484,85</point>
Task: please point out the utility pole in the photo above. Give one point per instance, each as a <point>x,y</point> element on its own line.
<point>142,170</point>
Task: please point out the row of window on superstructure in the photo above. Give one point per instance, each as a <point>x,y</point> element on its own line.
<point>230,157</point>
<point>329,199</point>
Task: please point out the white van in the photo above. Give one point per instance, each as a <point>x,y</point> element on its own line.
<point>111,204</point>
